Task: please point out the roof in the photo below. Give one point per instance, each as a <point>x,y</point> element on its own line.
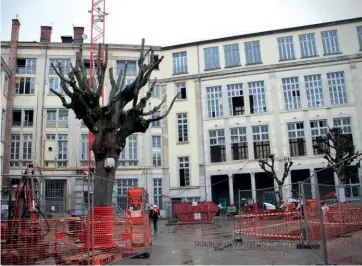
<point>263,33</point>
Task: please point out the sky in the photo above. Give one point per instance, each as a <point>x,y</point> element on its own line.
<point>169,22</point>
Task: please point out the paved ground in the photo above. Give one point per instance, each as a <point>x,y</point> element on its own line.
<point>205,244</point>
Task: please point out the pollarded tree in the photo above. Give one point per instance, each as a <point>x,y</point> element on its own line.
<point>338,150</point>
<point>269,168</point>
<point>112,123</point>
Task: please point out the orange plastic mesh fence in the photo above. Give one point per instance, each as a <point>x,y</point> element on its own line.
<point>273,225</point>
<point>75,241</point>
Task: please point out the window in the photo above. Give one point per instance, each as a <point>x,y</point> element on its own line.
<point>28,117</point>
<point>122,188</point>
<point>63,115</point>
<point>25,66</point>
<point>179,63</point>
<point>182,129</point>
<point>65,63</point>
<point>157,192</point>
<point>252,52</point>
<point>286,48</point>
<point>313,86</point>
<point>261,142</point>
<point>291,93</point>
<point>155,59</point>
<point>211,57</point>
<point>217,145</point>
<point>232,55</point>
<point>337,89</point>
<point>296,139</point>
<point>214,101</point>
<point>239,143</point>
<point>319,129</point>
<point>359,36</point>
<point>156,151</point>
<point>17,114</point>
<point>308,46</point>
<point>27,141</point>
<point>51,115</point>
<point>54,83</point>
<point>84,151</point>
<point>330,42</point>
<point>345,125</point>
<point>131,67</point>
<point>236,99</point>
<point>3,114</point>
<point>24,86</point>
<point>62,151</point>
<point>6,84</point>
<point>184,171</point>
<point>181,88</point>
<point>15,151</point>
<point>156,91</point>
<point>257,97</point>
<point>129,154</point>
<point>158,122</point>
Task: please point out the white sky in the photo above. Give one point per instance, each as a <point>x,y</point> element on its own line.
<point>168,22</point>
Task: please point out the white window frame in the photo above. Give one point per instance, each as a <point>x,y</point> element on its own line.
<point>15,150</point>
<point>62,150</point>
<point>26,122</point>
<point>184,163</point>
<point>84,150</point>
<point>54,83</point>
<point>330,42</point>
<point>23,143</point>
<point>158,188</point>
<point>337,88</point>
<point>291,91</point>
<point>359,36</point>
<point>234,90</point>
<point>158,122</point>
<point>314,90</point>
<point>179,87</point>
<point>252,53</point>
<point>182,127</point>
<point>65,63</point>
<point>122,187</point>
<point>232,55</point>
<point>308,47</point>
<point>27,141</point>
<point>260,133</point>
<point>129,155</point>
<point>238,135</point>
<point>3,116</point>
<point>156,150</point>
<point>295,132</point>
<point>29,68</point>
<point>257,90</point>
<point>156,93</point>
<point>211,58</point>
<point>131,71</point>
<point>179,62</point>
<point>344,123</point>
<point>319,128</point>
<point>217,137</point>
<point>286,48</point>
<point>214,101</point>
<point>21,91</point>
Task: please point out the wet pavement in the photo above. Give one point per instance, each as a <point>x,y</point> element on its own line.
<point>213,244</point>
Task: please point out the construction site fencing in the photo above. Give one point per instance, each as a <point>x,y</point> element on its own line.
<point>332,215</point>
<point>69,230</point>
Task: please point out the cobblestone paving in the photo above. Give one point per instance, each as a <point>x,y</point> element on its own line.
<point>213,244</point>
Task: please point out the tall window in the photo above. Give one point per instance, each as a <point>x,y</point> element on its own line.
<point>157,192</point>
<point>27,142</point>
<point>330,42</point>
<point>359,36</point>
<point>239,143</point>
<point>314,89</point>
<point>308,46</point>
<point>184,171</point>
<point>129,154</point>
<point>3,113</point>
<point>158,122</point>
<point>296,139</point>
<point>286,48</point>
<point>236,99</point>
<point>84,151</point>
<point>156,151</point>
<point>156,91</point>
<point>182,130</point>
<point>54,83</point>
<point>181,89</point>
<point>252,52</point>
<point>261,142</point>
<point>214,101</point>
<point>257,97</point>
<point>62,151</point>
<point>131,67</point>
<point>17,117</point>
<point>291,93</point>
<point>15,150</point>
<point>232,55</point>
<point>319,129</point>
<point>122,188</point>
<point>211,57</point>
<point>179,63</point>
<point>345,125</point>
<point>217,145</point>
<point>24,85</point>
<point>5,85</point>
<point>28,117</point>
<point>337,89</point>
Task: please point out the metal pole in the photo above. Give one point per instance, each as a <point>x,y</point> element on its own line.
<point>321,223</point>
<point>303,207</point>
<point>88,214</point>
<point>92,205</point>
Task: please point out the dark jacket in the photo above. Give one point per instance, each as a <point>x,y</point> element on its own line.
<point>154,214</point>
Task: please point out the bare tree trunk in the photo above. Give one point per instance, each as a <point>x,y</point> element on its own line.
<point>280,189</point>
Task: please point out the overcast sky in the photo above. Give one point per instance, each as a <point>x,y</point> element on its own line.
<point>167,22</point>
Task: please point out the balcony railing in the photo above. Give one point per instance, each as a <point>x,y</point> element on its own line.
<point>26,70</point>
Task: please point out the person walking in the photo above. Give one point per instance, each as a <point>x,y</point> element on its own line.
<point>154,216</point>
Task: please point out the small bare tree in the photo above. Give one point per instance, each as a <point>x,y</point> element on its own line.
<point>268,166</point>
<point>112,123</point>
<point>338,150</point>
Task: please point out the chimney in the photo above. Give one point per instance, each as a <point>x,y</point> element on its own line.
<point>78,32</point>
<point>15,30</point>
<point>45,33</point>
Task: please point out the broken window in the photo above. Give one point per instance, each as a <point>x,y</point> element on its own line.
<point>25,66</point>
<point>28,117</point>
<point>183,135</point>
<point>345,125</point>
<point>181,88</point>
<point>319,129</point>
<point>214,101</point>
<point>239,143</point>
<point>217,146</point>
<point>296,139</point>
<point>155,59</point>
<point>236,99</point>
<point>291,91</point>
<point>261,142</point>
<point>184,171</point>
<point>257,97</point>
<point>17,118</point>
<point>24,86</point>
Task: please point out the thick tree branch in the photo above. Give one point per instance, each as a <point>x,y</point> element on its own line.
<point>165,114</point>
<point>64,102</point>
<point>155,109</point>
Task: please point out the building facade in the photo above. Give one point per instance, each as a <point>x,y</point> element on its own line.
<point>241,98</point>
